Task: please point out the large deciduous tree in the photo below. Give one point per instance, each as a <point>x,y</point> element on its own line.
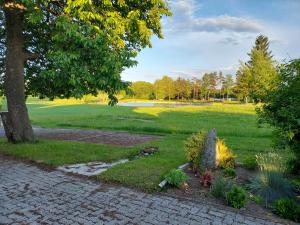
<point>65,48</point>
<point>227,85</point>
<point>142,89</point>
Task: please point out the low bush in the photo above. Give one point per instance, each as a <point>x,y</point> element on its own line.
<point>256,198</point>
<point>219,187</point>
<point>206,178</point>
<point>194,147</point>
<point>236,197</point>
<point>229,172</point>
<point>288,209</point>
<point>271,186</point>
<point>176,178</point>
<point>270,183</point>
<point>250,163</point>
<point>225,157</point>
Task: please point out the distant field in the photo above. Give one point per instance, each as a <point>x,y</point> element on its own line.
<point>234,122</point>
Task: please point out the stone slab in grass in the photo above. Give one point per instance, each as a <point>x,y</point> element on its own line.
<point>91,168</point>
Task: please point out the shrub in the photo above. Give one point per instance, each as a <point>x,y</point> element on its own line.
<point>250,163</point>
<point>206,178</point>
<point>176,178</point>
<point>271,186</point>
<point>270,183</point>
<point>229,172</point>
<point>293,166</point>
<point>236,197</point>
<point>219,187</point>
<point>225,158</point>
<point>288,209</point>
<point>194,147</point>
<point>256,198</point>
<point>281,109</point>
<point>271,161</point>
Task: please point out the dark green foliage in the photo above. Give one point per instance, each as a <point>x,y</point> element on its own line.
<point>262,44</point>
<point>236,197</point>
<point>229,172</point>
<point>176,178</point>
<point>288,209</point>
<point>282,109</point>
<point>219,187</point>
<point>249,163</point>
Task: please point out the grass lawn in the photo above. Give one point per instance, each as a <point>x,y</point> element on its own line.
<point>56,153</point>
<point>235,123</point>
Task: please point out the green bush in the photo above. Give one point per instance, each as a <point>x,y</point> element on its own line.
<point>225,157</point>
<point>176,178</point>
<point>281,109</point>
<point>236,197</point>
<point>288,209</point>
<point>229,172</point>
<point>250,163</point>
<point>256,198</point>
<point>219,187</point>
<point>270,183</point>
<point>194,147</point>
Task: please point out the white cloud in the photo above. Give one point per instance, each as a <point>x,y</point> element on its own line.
<point>226,23</point>
<point>185,19</point>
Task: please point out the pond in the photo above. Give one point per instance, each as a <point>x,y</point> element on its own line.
<point>171,104</point>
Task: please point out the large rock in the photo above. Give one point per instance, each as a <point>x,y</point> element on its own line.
<point>209,157</point>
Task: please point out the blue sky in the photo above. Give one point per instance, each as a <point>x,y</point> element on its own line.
<point>210,35</point>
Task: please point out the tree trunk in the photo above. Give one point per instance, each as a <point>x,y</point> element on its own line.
<point>18,127</point>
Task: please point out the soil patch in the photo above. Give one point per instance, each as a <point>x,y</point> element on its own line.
<point>93,136</point>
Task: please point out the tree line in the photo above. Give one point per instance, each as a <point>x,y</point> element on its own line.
<point>212,85</point>
<point>252,80</point>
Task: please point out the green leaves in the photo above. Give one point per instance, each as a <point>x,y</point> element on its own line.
<point>84,45</point>
<point>282,109</point>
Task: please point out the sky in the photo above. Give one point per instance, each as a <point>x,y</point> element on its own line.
<point>214,35</point>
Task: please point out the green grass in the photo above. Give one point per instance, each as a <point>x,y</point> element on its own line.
<point>234,122</point>
<point>56,153</point>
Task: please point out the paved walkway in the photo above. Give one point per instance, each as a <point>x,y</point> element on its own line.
<point>91,136</point>
<point>29,195</point>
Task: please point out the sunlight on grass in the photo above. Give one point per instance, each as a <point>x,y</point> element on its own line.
<point>215,107</point>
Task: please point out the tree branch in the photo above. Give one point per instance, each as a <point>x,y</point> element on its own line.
<point>30,56</point>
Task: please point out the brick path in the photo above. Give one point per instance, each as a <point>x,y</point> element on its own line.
<point>91,136</point>
<point>29,195</point>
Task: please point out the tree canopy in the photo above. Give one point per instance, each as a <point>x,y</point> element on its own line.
<point>258,76</point>
<point>78,47</point>
<point>282,108</point>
